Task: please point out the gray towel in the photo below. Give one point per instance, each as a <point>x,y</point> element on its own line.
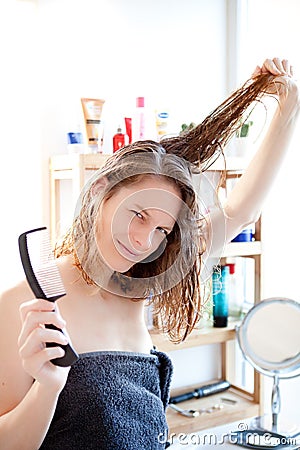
<point>113,401</point>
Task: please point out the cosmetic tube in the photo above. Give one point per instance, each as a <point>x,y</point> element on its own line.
<point>128,128</point>
<point>92,112</point>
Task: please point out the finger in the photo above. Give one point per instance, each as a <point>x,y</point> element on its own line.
<point>256,72</point>
<point>37,305</point>
<point>286,66</point>
<point>36,319</point>
<point>35,363</point>
<point>278,63</point>
<point>36,341</point>
<point>269,66</point>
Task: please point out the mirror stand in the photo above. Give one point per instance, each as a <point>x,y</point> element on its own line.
<point>269,338</point>
<point>275,402</point>
<point>273,422</point>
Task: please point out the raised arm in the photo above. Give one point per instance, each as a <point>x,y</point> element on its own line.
<point>244,203</point>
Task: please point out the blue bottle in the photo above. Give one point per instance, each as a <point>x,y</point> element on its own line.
<point>220,293</point>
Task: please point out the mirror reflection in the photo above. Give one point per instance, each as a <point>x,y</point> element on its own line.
<point>271,334</point>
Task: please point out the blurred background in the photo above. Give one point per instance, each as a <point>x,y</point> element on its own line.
<point>183,55</point>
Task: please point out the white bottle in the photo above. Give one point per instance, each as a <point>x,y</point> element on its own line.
<point>235,294</point>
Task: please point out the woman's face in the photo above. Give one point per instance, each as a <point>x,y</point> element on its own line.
<point>135,220</point>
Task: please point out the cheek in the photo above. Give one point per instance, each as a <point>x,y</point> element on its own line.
<point>110,226</point>
<point>158,238</point>
<point>122,224</point>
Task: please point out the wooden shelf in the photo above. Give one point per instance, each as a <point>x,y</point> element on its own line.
<point>233,164</point>
<point>232,249</point>
<point>89,161</point>
<point>202,336</point>
<point>244,407</point>
<point>242,249</point>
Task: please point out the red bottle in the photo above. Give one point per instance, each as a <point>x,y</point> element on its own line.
<point>118,140</point>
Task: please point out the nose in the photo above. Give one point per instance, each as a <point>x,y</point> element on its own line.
<point>142,239</point>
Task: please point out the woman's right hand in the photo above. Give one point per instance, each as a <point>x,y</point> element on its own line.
<point>35,314</point>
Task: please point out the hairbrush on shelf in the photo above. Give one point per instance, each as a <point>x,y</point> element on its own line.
<point>44,279</point>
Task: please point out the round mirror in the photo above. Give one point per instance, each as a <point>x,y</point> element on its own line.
<point>269,337</point>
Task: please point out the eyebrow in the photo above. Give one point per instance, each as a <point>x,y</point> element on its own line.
<point>167,228</point>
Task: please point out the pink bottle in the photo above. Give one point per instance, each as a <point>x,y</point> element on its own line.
<point>140,105</point>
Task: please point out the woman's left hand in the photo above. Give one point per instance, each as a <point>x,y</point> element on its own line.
<point>284,73</point>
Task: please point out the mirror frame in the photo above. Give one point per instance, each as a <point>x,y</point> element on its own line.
<point>291,366</point>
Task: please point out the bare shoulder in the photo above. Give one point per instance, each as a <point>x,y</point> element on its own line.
<point>16,294</point>
<point>10,301</point>
<point>14,382</point>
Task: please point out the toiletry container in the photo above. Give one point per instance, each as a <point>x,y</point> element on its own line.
<point>220,295</point>
<point>138,123</point>
<point>161,122</point>
<point>128,128</point>
<point>235,294</point>
<point>246,235</point>
<point>75,142</point>
<point>118,140</point>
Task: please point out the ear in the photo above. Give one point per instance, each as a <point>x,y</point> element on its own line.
<point>99,185</point>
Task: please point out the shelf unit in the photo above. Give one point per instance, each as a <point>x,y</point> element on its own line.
<point>74,167</point>
<point>78,168</point>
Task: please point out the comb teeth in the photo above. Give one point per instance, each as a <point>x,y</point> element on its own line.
<point>44,265</point>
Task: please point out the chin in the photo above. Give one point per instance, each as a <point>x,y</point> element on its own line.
<point>122,266</point>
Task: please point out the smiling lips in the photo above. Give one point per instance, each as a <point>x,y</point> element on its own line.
<point>129,252</point>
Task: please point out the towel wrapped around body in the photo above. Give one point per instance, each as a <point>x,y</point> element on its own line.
<point>113,401</point>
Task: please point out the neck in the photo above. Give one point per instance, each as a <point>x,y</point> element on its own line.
<point>122,306</point>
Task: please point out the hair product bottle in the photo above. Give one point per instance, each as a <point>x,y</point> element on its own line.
<point>139,120</point>
<point>220,295</point>
<point>118,140</point>
<point>161,122</point>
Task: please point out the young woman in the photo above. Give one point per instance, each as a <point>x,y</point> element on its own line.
<point>138,235</point>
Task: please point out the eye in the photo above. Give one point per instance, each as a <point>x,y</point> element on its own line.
<point>162,230</point>
<point>138,214</point>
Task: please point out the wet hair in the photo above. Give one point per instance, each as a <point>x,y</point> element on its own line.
<point>175,289</point>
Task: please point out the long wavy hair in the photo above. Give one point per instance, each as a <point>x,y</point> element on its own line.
<point>174,288</point>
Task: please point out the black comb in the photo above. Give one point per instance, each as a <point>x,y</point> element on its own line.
<point>44,279</point>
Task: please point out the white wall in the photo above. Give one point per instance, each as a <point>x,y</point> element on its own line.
<point>20,157</point>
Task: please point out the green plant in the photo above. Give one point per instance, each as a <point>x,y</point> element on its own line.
<point>185,128</point>
<point>244,129</point>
